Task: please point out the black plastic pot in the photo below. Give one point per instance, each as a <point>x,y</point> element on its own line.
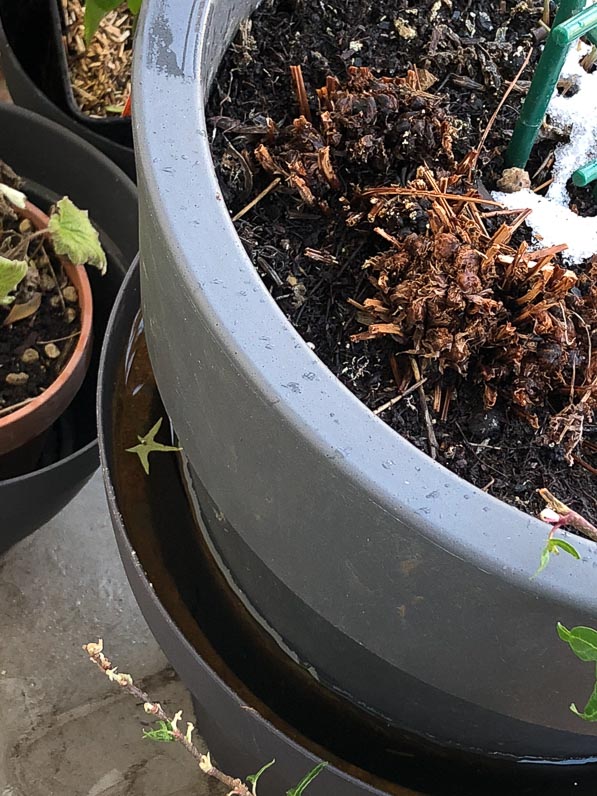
<point>56,163</point>
<point>36,71</point>
<point>253,702</point>
<point>396,583</point>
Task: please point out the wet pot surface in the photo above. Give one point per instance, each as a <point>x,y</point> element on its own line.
<point>153,518</point>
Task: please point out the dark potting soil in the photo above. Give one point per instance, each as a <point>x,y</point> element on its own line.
<point>473,49</point>
<point>35,347</point>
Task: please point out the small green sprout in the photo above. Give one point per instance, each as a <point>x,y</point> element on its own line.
<point>583,643</point>
<point>147,444</point>
<point>306,781</point>
<point>553,546</point>
<point>253,779</point>
<point>163,733</point>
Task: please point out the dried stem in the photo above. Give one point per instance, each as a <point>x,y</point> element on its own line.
<point>301,92</point>
<point>433,445</point>
<point>125,681</point>
<point>273,184</point>
<point>501,103</point>
<point>566,516</point>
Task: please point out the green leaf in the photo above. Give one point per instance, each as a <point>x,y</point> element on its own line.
<point>565,546</point>
<point>306,781</point>
<point>95,11</point>
<point>134,6</point>
<point>11,274</point>
<point>147,445</point>
<point>554,546</point>
<point>582,641</point>
<point>163,733</point>
<point>590,711</point>
<point>543,562</point>
<point>253,779</point>
<point>74,236</point>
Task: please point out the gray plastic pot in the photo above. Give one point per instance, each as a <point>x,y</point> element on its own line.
<point>397,583</point>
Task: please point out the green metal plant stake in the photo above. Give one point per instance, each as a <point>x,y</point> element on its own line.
<point>571,23</point>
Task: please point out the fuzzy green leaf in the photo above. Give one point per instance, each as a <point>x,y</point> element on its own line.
<point>134,6</point>
<point>95,11</point>
<point>306,781</point>
<point>590,711</point>
<point>582,641</point>
<point>11,274</point>
<point>163,733</point>
<point>147,445</point>
<point>253,779</point>
<point>74,236</point>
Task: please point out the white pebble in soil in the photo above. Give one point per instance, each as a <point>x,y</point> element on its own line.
<point>552,220</point>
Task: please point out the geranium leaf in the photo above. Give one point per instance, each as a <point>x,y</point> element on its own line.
<point>74,236</point>
<point>11,274</point>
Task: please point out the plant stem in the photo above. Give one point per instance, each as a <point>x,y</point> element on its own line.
<point>125,681</point>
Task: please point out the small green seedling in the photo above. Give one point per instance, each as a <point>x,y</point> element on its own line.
<point>554,546</point>
<point>162,733</point>
<point>306,781</point>
<point>583,643</point>
<point>147,444</point>
<point>253,779</point>
<point>96,10</point>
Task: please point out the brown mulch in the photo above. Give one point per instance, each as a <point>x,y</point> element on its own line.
<point>100,73</point>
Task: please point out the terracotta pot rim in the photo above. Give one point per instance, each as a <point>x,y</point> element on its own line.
<point>78,277</point>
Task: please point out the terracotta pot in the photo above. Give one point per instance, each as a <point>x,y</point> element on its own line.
<point>24,425</point>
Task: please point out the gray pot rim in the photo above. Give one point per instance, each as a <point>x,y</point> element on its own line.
<point>184,193</point>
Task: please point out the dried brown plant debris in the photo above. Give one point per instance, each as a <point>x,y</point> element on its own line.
<point>515,321</point>
<point>455,284</point>
<point>368,126</point>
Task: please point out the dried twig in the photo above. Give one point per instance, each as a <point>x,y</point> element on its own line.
<point>398,398</point>
<point>495,114</point>
<point>273,184</point>
<point>433,444</point>
<point>125,681</point>
<point>301,92</point>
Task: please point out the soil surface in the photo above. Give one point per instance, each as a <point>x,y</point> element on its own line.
<point>35,346</point>
<point>473,50</point>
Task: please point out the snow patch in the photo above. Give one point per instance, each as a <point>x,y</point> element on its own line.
<point>552,221</point>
